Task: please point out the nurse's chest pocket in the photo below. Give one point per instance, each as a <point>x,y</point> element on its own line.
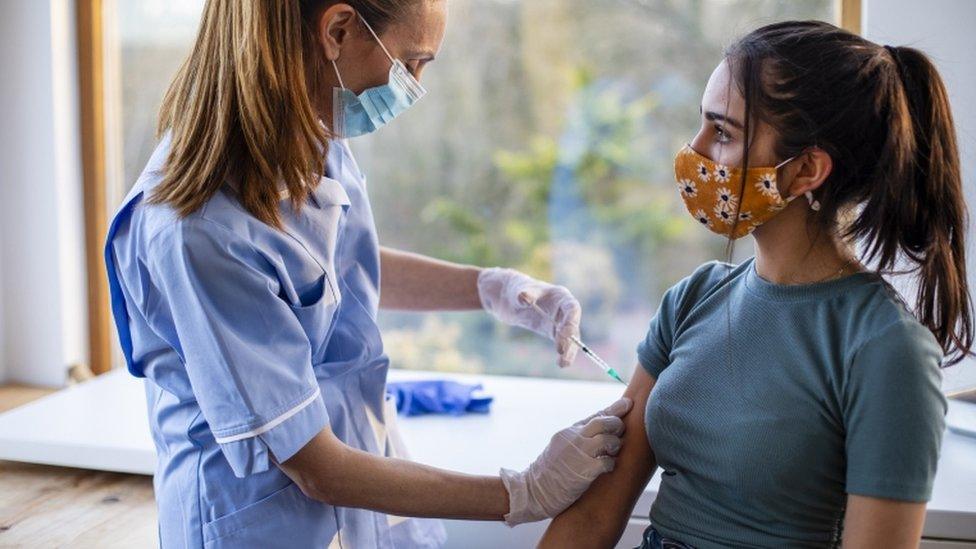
<point>314,294</point>
<point>316,311</point>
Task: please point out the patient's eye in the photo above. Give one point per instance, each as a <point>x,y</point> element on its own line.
<point>722,136</point>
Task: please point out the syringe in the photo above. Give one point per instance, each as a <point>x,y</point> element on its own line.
<point>586,351</point>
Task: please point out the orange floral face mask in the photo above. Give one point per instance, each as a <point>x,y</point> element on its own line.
<point>711,194</point>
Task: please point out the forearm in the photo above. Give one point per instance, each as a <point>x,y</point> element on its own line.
<point>405,488</point>
<point>414,282</point>
<point>346,477</point>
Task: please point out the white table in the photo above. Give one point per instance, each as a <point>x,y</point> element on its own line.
<point>102,424</point>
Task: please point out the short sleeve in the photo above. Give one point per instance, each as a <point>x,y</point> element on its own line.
<point>654,351</point>
<point>895,414</point>
<point>245,352</point>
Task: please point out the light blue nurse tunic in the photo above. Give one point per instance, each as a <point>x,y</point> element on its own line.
<point>252,340</point>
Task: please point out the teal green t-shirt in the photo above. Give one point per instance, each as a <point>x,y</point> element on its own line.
<point>773,403</point>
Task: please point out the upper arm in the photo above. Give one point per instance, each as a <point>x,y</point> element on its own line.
<point>599,516</point>
<point>875,522</point>
<point>246,354</point>
<point>654,351</point>
<point>894,415</point>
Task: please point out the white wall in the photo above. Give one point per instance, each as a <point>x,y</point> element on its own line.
<point>42,277</point>
<point>3,363</point>
<point>944,30</point>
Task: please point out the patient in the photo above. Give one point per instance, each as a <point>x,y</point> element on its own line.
<point>794,400</point>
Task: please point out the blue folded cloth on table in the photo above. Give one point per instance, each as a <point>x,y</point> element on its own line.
<point>417,398</point>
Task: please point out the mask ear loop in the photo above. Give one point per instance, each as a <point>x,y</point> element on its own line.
<point>814,203</point>
<point>338,114</point>
<point>377,38</point>
<point>339,76</point>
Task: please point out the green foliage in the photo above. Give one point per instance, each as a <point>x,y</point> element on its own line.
<point>610,173</point>
<point>435,345</point>
<point>549,148</point>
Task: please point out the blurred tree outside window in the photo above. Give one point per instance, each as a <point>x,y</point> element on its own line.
<point>545,144</point>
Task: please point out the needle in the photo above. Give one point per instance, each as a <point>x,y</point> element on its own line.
<point>586,351</point>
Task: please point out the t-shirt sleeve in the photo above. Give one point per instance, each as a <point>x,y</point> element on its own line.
<point>654,351</point>
<point>895,414</point>
<point>246,354</point>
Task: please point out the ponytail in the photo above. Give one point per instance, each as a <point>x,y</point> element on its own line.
<point>883,116</point>
<point>919,209</point>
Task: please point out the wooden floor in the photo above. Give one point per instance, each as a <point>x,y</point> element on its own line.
<point>42,506</point>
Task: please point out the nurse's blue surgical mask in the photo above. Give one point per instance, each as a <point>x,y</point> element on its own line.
<point>354,115</point>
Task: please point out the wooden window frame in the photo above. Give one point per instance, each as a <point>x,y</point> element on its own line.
<point>848,13</point>
<point>91,34</point>
<point>91,101</point>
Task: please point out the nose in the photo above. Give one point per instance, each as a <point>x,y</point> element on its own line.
<point>417,70</point>
<point>700,144</point>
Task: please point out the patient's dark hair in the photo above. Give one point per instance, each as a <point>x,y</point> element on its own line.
<point>882,114</point>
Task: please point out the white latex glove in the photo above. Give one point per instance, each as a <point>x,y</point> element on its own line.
<point>575,457</point>
<point>508,295</point>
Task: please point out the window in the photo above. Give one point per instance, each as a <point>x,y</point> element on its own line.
<point>546,144</point>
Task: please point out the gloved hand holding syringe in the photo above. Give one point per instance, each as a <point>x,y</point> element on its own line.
<point>514,298</point>
<point>589,353</point>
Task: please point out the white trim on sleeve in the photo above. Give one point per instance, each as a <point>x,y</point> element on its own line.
<point>271,424</point>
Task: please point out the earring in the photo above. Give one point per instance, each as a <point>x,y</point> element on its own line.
<point>814,204</point>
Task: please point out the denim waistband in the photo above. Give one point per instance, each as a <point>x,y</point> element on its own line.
<point>654,540</point>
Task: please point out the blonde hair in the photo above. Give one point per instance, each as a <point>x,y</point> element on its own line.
<point>242,107</point>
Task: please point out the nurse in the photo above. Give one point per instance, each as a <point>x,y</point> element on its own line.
<point>245,277</point>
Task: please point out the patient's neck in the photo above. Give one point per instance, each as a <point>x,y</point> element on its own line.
<point>790,250</point>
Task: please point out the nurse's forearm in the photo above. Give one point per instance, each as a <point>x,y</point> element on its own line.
<point>327,470</point>
<point>413,282</point>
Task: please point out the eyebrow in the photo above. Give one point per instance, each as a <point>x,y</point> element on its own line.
<point>714,116</point>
